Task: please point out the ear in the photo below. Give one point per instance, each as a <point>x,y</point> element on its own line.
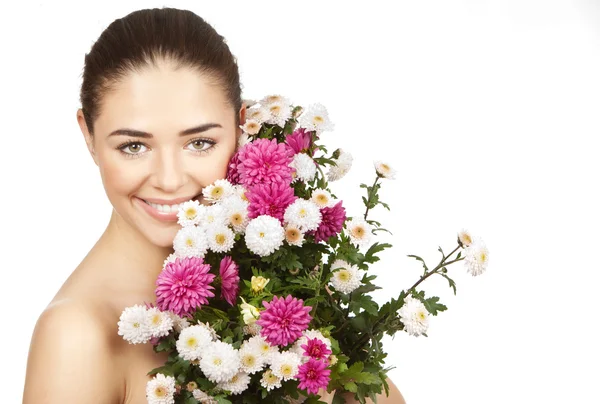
<point>89,139</point>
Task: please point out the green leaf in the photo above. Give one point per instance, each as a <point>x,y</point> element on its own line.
<point>420,259</point>
<point>433,306</point>
<point>450,282</point>
<point>351,386</point>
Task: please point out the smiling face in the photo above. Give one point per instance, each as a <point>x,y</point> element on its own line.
<point>162,135</point>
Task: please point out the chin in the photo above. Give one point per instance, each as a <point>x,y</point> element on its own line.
<point>162,237</point>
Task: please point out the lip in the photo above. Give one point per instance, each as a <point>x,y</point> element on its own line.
<point>169,201</point>
<point>156,214</point>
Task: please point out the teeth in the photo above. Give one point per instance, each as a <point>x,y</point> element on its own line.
<point>165,208</point>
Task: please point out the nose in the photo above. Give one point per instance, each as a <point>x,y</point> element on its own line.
<point>168,171</point>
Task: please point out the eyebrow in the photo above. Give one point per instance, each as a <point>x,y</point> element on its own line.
<point>146,135</point>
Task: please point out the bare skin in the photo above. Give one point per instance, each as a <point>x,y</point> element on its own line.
<point>76,354</point>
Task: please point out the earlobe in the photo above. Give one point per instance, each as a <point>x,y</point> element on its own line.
<point>89,139</point>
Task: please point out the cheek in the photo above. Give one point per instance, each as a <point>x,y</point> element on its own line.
<point>213,167</point>
<point>121,177</point>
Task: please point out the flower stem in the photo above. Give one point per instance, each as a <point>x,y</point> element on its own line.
<point>370,196</point>
<point>434,270</point>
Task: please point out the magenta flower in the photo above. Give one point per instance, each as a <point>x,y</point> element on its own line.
<point>284,320</point>
<point>332,222</point>
<point>233,174</point>
<point>264,161</point>
<point>315,348</point>
<point>183,285</point>
<point>313,375</point>
<point>300,141</point>
<point>270,199</point>
<point>230,280</point>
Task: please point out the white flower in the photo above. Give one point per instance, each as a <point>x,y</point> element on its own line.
<point>344,163</point>
<point>237,384</point>
<point>316,118</point>
<point>179,323</point>
<point>249,312</point>
<point>269,381</point>
<point>220,362</point>
<point>190,241</point>
<point>305,167</point>
<point>257,113</point>
<point>213,333</point>
<point>338,263</point>
<point>476,257</point>
<point>220,238</point>
<point>303,214</point>
<point>214,215</point>
<point>264,235</point>
<point>192,342</point>
<point>237,213</point>
<point>464,238</point>
<point>414,316</point>
<point>189,213</point>
<point>160,322</point>
<point>203,398</point>
<point>279,113</point>
<point>322,198</point>
<point>218,190</point>
<point>161,389</point>
<point>266,350</point>
<point>171,258</point>
<point>240,190</point>
<point>251,358</point>
<point>274,98</point>
<point>293,235</point>
<point>134,325</point>
<point>346,280</point>
<point>285,364</point>
<point>385,170</point>
<point>249,102</point>
<point>359,230</point>
<point>250,127</point>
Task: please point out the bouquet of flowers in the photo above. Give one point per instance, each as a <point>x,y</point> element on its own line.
<point>266,297</point>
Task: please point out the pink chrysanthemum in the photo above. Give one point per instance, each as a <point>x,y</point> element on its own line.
<point>264,161</point>
<point>284,320</point>
<point>233,173</point>
<point>183,285</point>
<point>300,141</point>
<point>332,222</point>
<point>270,199</point>
<point>313,375</point>
<point>315,348</point>
<point>230,280</point>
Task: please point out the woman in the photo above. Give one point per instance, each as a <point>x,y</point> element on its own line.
<point>161,109</point>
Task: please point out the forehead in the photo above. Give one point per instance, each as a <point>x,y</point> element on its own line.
<point>161,99</point>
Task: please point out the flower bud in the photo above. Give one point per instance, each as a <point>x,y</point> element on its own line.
<point>258,283</point>
<point>191,386</point>
<point>249,312</point>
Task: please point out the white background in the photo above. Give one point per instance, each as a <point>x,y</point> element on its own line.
<point>487,109</point>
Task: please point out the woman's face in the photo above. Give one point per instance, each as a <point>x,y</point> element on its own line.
<point>161,137</point>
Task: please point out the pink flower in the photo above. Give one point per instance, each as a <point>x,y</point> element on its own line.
<point>313,375</point>
<point>315,348</point>
<point>230,280</point>
<point>284,320</point>
<point>270,199</point>
<point>332,222</point>
<point>265,161</point>
<point>233,174</point>
<point>300,141</point>
<point>183,285</point>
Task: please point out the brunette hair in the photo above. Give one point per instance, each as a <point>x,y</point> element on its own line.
<point>143,37</point>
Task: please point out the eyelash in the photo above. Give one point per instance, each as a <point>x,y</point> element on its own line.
<point>123,146</point>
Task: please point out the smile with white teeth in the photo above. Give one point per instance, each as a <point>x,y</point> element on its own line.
<point>165,208</point>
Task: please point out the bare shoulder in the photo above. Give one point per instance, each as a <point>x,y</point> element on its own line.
<point>72,356</point>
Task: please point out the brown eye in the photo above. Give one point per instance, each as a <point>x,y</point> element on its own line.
<point>133,148</point>
<point>200,145</point>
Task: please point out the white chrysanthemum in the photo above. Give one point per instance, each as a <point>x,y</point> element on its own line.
<point>464,238</point>
<point>293,235</point>
<point>161,389</point>
<point>344,164</point>
<point>274,98</point>
<point>270,381</point>
<point>305,167</point>
<point>220,238</point>
<point>303,214</point>
<point>193,341</point>
<point>316,118</point>
<point>214,214</point>
<point>279,113</point>
<point>257,113</point>
<point>249,312</point>
<point>171,258</point>
<point>203,398</point>
<point>251,358</point>
<point>476,257</point>
<point>179,323</point>
<point>190,241</point>
<point>338,263</point>
<point>266,350</point>
<point>218,190</point>
<point>285,364</point>
<point>250,127</point>
<point>237,213</point>
<point>161,322</point>
<point>414,316</point>
<point>346,280</point>
<point>303,340</point>
<point>134,325</point>
<point>237,384</point>
<point>249,102</point>
<point>322,198</point>
<point>264,235</point>
<point>252,329</point>
<point>189,213</point>
<point>220,362</point>
<point>359,230</point>
<point>213,334</point>
<point>385,170</point>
